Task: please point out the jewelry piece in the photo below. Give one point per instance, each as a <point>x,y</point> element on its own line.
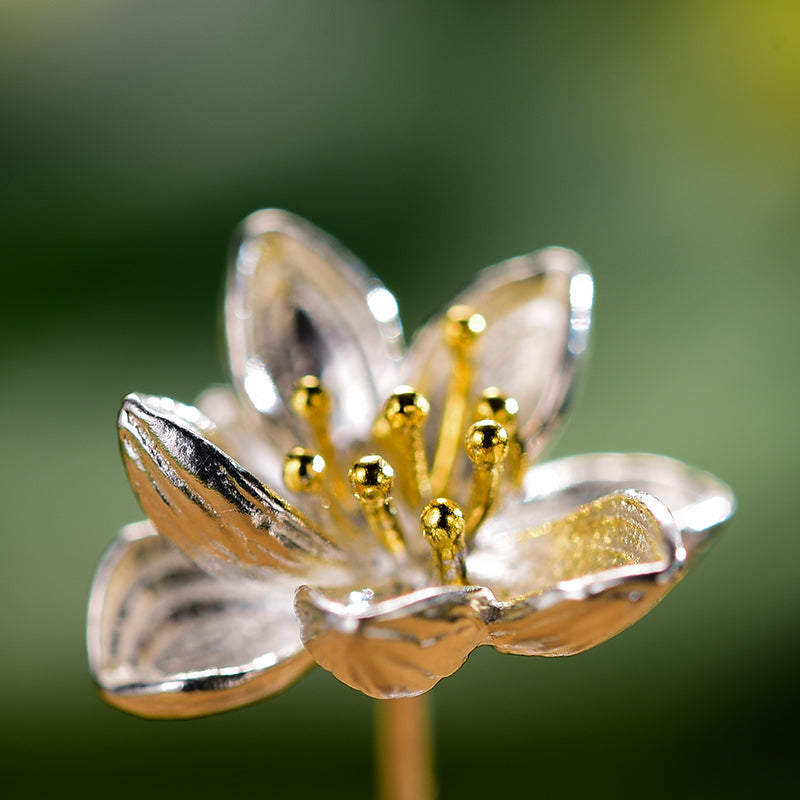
<point>378,513</point>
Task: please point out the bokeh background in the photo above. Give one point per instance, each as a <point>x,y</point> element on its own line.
<point>660,140</point>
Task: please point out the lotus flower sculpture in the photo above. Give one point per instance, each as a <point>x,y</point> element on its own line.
<point>377,512</point>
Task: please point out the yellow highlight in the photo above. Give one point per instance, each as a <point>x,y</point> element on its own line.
<point>372,478</point>
<point>406,412</point>
<point>463,327</point>
<point>443,526</point>
<point>486,443</point>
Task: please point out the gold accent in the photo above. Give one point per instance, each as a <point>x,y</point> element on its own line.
<point>443,526</point>
<point>486,443</point>
<point>372,478</point>
<point>406,411</point>
<point>304,471</point>
<point>312,403</point>
<point>613,531</point>
<point>494,404</point>
<point>463,326</point>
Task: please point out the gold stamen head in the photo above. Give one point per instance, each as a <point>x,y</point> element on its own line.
<point>442,523</point>
<point>487,443</point>
<point>443,526</point>
<point>371,479</point>
<point>406,408</point>
<point>406,411</point>
<point>463,326</point>
<point>303,471</point>
<point>493,404</point>
<point>309,399</point>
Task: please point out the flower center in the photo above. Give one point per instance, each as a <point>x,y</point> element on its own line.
<point>491,443</point>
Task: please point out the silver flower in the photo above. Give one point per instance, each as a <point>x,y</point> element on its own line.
<point>231,590</point>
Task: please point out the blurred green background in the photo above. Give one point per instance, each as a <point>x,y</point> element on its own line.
<point>660,140</point>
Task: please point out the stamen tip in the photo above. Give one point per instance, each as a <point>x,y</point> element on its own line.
<point>406,408</point>
<point>463,326</point>
<point>493,404</point>
<point>442,523</point>
<point>371,478</point>
<point>486,443</point>
<point>309,397</point>
<point>303,470</point>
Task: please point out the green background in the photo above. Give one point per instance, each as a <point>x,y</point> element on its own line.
<point>660,140</point>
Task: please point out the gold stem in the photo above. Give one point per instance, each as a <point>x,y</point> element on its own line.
<point>484,493</point>
<point>405,412</point>
<point>453,419</point>
<point>418,465</point>
<point>404,744</point>
<point>462,329</point>
<point>311,402</point>
<point>382,519</point>
<point>442,525</point>
<point>487,446</point>
<point>372,479</point>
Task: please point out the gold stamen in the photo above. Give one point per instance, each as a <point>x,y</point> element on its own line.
<point>487,445</point>
<point>406,411</point>
<point>311,402</point>
<point>371,479</point>
<point>442,524</point>
<point>493,404</point>
<point>463,327</point>
<point>304,471</point>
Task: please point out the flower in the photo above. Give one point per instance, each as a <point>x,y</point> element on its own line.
<point>382,551</point>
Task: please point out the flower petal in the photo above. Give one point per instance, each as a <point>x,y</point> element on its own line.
<point>167,640</point>
<point>256,453</point>
<point>221,516</point>
<point>538,311</point>
<point>698,501</point>
<point>300,304</point>
<point>568,585</point>
<point>392,648</point>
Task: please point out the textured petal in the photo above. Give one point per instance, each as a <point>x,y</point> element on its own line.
<point>299,304</point>
<point>217,513</point>
<point>255,451</point>
<point>393,648</point>
<point>167,640</point>
<point>698,501</point>
<point>538,311</point>
<point>568,585</point>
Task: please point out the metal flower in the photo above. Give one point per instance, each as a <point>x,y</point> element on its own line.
<point>388,576</point>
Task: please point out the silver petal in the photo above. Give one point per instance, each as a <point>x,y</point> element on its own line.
<point>256,453</point>
<point>300,304</point>
<point>699,502</point>
<point>568,585</point>
<point>167,640</point>
<point>538,312</point>
<point>393,648</point>
<point>221,516</point>
<point>230,433</point>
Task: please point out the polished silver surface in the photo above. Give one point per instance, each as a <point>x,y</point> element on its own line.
<point>237,583</point>
<point>220,515</point>
<point>398,647</point>
<point>299,303</point>
<point>166,639</point>
<point>538,314</point>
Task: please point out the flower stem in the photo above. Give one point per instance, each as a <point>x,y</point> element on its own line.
<point>405,758</point>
